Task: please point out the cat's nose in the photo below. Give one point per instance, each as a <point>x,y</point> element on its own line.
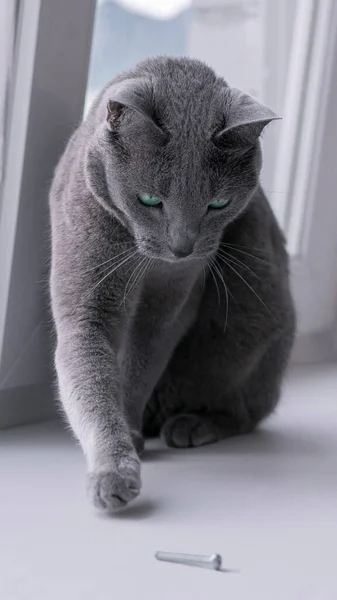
<point>183,249</point>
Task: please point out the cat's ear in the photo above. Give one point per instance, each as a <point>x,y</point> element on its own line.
<point>245,119</point>
<point>136,94</point>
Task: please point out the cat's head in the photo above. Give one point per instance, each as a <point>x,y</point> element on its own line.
<point>176,155</point>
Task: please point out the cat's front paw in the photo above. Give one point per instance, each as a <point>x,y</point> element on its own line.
<point>113,486</point>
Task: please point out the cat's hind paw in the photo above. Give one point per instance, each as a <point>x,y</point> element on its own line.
<point>186,431</point>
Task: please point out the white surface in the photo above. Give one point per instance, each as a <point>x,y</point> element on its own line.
<point>267,503</point>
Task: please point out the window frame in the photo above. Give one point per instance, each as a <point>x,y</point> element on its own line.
<point>47,98</point>
<point>304,170</point>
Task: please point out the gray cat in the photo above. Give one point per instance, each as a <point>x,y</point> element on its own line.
<point>169,279</point>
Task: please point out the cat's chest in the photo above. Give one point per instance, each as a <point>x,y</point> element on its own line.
<point>166,304</point>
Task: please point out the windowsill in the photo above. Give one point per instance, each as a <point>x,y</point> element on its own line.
<point>266,502</point>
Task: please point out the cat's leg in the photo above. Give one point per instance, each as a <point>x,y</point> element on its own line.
<point>157,328</point>
<point>143,367</point>
<point>89,383</point>
<point>150,351</point>
<point>238,410</point>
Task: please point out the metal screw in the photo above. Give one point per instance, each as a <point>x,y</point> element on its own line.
<point>206,562</point>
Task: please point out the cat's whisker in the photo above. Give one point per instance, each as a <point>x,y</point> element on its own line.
<point>108,261</point>
<point>240,248</point>
<point>149,266</point>
<point>225,255</point>
<point>144,271</point>
<point>102,271</point>
<point>141,273</point>
<point>138,277</point>
<point>250,287</point>
<point>227,286</point>
<point>121,263</point>
<point>211,266</point>
<point>134,267</point>
<point>130,284</point>
<point>218,271</point>
<point>231,295</point>
<point>110,266</point>
<point>233,249</point>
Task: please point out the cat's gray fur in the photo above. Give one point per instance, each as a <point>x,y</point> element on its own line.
<point>168,349</point>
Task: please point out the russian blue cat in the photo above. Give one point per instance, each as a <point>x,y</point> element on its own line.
<point>169,279</point>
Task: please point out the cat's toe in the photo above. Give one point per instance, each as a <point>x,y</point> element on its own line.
<point>113,486</point>
<point>186,431</point>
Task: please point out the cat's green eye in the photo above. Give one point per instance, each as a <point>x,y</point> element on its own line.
<point>221,203</point>
<point>149,200</point>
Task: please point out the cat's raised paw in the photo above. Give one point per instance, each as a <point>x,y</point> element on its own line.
<point>186,431</point>
<point>113,486</point>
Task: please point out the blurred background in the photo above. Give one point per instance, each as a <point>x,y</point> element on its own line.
<point>273,496</point>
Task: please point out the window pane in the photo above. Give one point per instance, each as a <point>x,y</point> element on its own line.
<point>248,42</point>
<point>126,31</point>
<point>7,33</point>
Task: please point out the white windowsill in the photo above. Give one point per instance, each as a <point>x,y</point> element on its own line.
<point>266,502</point>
